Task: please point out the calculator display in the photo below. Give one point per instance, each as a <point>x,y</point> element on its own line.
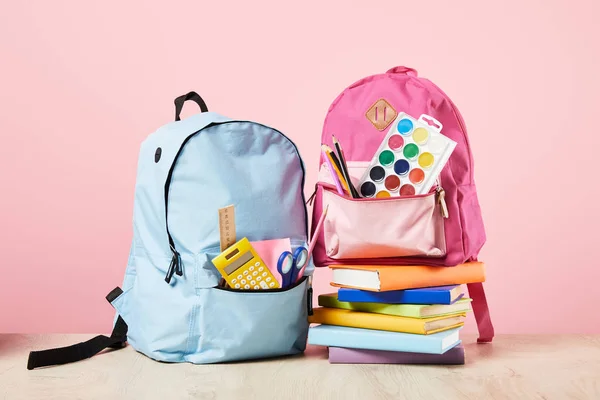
<point>234,266</point>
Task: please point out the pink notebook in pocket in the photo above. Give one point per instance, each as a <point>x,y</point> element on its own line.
<point>270,250</point>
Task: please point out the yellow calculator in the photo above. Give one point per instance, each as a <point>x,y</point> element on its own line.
<point>243,268</point>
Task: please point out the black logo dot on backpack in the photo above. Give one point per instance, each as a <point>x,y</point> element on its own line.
<point>157,154</point>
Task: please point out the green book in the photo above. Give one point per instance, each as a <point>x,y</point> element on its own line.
<point>403,310</point>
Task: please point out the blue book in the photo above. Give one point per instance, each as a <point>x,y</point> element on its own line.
<point>430,295</point>
<point>355,338</point>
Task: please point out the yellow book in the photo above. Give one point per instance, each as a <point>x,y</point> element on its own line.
<point>382,322</point>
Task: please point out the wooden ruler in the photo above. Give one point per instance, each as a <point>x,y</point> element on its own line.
<point>227,226</point>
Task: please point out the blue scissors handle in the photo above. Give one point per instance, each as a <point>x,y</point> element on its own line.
<point>289,264</point>
<point>300,259</point>
<point>285,266</point>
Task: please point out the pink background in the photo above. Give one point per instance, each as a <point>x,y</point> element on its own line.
<point>83,83</point>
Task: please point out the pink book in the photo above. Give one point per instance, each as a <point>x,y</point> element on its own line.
<point>341,355</point>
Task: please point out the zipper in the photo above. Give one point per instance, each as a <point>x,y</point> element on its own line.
<point>176,266</point>
<point>364,200</point>
<point>334,190</point>
<point>463,128</point>
<point>441,199</point>
<point>309,296</point>
<point>278,290</point>
<point>311,199</point>
<point>438,192</point>
<point>309,291</point>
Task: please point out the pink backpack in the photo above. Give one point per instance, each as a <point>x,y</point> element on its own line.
<point>443,228</point>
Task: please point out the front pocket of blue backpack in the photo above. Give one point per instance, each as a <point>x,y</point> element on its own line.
<point>235,325</point>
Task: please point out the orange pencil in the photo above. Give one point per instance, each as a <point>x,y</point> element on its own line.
<point>344,167</point>
<point>335,164</point>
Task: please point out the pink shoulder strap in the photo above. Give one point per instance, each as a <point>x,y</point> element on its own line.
<point>481,311</point>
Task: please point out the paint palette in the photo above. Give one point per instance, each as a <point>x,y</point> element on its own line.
<point>409,160</point>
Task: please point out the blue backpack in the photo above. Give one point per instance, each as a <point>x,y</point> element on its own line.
<point>170,306</point>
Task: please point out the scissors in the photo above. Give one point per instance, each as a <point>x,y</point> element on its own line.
<point>289,264</point>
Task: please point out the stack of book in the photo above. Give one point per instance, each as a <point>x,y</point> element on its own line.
<point>394,315</point>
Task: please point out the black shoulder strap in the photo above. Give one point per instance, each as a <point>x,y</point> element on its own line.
<point>81,351</point>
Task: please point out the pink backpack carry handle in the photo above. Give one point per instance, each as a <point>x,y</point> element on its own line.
<point>365,231</point>
<point>403,70</point>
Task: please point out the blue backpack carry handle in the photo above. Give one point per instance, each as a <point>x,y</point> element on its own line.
<point>195,97</point>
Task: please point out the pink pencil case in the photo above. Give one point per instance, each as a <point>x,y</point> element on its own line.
<point>381,227</point>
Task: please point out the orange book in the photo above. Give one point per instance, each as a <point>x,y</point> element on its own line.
<point>385,278</point>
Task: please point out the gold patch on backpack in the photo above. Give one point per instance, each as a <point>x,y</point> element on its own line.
<point>381,114</point>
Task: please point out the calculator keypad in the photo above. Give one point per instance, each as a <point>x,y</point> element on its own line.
<point>254,277</point>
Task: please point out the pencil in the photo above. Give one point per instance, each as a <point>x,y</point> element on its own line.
<point>334,176</point>
<point>333,155</point>
<point>338,147</point>
<point>336,166</point>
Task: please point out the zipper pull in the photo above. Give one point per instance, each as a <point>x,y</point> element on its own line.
<point>441,198</point>
<point>309,296</point>
<point>174,267</point>
<point>312,197</point>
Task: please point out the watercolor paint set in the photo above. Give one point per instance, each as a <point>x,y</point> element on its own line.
<point>409,159</point>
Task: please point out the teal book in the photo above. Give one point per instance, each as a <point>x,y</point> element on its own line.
<point>355,338</point>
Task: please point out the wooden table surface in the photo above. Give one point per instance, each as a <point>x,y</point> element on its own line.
<point>513,367</point>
